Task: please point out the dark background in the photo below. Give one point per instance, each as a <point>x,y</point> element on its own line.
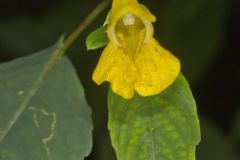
<point>204,34</point>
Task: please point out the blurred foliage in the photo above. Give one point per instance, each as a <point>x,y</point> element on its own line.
<point>24,34</point>
<point>193,30</point>
<point>214,144</point>
<point>236,127</point>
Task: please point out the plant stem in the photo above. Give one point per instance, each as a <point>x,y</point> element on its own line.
<point>101,7</point>
<point>72,37</point>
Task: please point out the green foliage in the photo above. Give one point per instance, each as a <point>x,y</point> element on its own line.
<point>159,127</point>
<point>236,127</point>
<point>214,144</point>
<point>97,38</point>
<point>48,121</point>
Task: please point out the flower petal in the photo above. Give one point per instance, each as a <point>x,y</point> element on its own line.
<point>117,68</point>
<point>122,7</point>
<point>157,67</point>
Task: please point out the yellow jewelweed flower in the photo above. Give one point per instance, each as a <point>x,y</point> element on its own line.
<point>133,60</point>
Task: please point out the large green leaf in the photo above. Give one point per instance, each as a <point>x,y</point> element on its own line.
<point>50,121</point>
<point>160,127</point>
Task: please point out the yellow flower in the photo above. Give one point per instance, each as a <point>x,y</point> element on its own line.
<point>133,60</point>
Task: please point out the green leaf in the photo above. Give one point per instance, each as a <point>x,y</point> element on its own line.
<point>160,127</point>
<point>51,121</point>
<point>97,38</point>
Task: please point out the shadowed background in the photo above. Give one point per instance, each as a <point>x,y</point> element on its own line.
<point>204,34</point>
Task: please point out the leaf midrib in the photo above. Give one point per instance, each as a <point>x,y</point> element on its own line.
<point>33,90</point>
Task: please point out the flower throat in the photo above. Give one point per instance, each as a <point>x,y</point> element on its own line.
<point>130,33</point>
